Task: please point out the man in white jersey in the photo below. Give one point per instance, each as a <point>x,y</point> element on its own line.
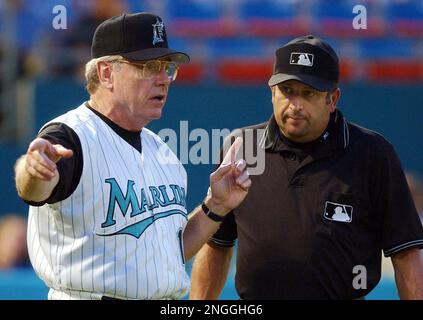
<point>107,217</point>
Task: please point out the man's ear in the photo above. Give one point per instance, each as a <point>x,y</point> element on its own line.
<point>105,75</point>
<point>333,99</point>
<point>273,89</point>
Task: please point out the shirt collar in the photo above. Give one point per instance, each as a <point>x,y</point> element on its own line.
<point>336,135</point>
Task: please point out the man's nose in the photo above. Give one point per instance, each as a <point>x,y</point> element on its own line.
<point>162,77</point>
<point>295,103</point>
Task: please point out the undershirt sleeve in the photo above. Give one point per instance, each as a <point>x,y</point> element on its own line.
<point>70,169</point>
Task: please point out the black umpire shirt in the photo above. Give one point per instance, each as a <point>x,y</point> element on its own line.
<point>319,214</point>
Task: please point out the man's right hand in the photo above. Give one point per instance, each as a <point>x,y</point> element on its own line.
<point>229,184</point>
<point>42,156</point>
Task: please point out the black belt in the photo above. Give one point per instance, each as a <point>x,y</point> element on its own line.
<point>109,298</point>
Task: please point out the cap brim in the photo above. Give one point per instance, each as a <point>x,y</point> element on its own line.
<point>317,83</point>
<point>157,53</point>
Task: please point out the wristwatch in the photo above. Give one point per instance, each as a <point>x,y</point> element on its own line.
<point>215,217</point>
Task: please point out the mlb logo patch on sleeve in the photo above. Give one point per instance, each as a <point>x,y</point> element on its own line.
<point>338,212</point>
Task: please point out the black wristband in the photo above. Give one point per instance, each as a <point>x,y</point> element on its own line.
<point>215,217</point>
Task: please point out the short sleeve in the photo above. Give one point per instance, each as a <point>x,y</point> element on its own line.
<point>400,226</point>
<point>70,169</point>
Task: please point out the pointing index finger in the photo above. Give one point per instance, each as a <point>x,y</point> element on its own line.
<point>232,152</point>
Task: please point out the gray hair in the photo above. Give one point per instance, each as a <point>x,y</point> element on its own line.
<point>91,72</point>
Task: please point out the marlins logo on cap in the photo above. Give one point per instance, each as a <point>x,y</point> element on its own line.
<point>158,31</point>
<point>135,36</point>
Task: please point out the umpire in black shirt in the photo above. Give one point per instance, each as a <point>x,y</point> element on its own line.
<point>332,197</point>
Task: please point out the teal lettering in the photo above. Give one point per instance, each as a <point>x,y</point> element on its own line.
<point>144,201</point>
<point>116,196</point>
<point>179,194</point>
<point>167,202</point>
<point>155,194</point>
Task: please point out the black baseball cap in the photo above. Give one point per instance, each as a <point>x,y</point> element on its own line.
<point>308,59</point>
<point>135,36</point>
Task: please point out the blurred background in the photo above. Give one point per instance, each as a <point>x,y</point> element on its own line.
<point>232,45</point>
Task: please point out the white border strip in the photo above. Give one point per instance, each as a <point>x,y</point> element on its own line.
<point>223,243</point>
<point>414,243</point>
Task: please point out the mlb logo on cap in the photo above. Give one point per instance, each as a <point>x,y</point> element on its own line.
<point>307,59</point>
<point>302,59</point>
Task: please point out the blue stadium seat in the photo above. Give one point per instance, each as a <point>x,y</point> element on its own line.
<point>271,9</point>
<point>236,48</point>
<point>199,18</point>
<point>341,9</point>
<point>241,60</point>
<point>274,17</point>
<point>195,9</point>
<point>137,6</point>
<point>391,60</point>
<point>406,17</point>
<point>385,48</point>
<point>179,43</point>
<point>405,9</point>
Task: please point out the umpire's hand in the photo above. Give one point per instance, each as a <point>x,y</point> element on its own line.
<point>229,184</point>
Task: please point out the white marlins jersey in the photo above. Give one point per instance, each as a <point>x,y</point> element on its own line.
<point>120,233</point>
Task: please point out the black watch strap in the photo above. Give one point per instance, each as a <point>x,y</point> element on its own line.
<point>210,214</point>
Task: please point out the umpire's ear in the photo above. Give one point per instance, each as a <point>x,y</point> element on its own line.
<point>273,89</point>
<point>104,73</point>
<point>333,99</point>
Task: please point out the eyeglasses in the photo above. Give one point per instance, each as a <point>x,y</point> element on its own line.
<point>152,68</point>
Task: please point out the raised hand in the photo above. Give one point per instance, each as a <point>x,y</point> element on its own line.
<point>42,156</point>
<point>229,183</point>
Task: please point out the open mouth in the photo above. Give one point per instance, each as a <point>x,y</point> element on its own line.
<point>158,98</point>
